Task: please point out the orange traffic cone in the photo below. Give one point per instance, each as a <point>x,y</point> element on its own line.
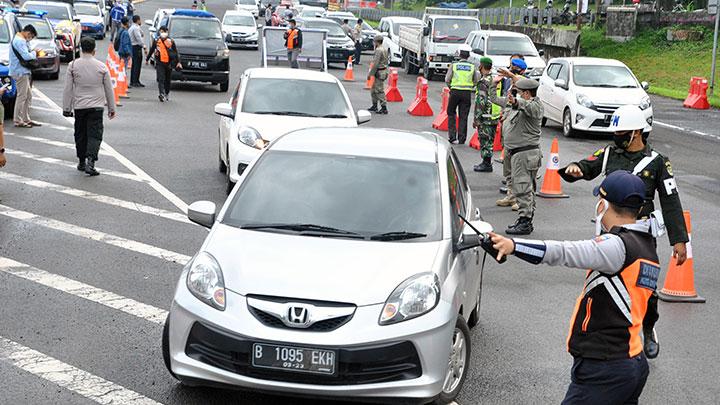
<point>122,81</point>
<point>497,142</point>
<point>680,280</point>
<point>349,75</point>
<point>116,95</point>
<point>551,187</point>
<point>475,141</point>
<point>369,82</point>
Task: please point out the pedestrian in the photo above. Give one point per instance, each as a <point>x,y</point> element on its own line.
<point>276,20</point>
<point>346,28</point>
<point>609,366</point>
<point>293,43</point>
<point>125,47</point>
<point>203,6</point>
<point>357,37</point>
<point>88,88</point>
<point>461,78</point>
<point>194,5</point>
<point>268,15</point>
<point>21,63</point>
<point>137,39</point>
<point>630,151</point>
<point>166,58</point>
<point>130,10</point>
<point>484,119</point>
<point>378,70</point>
<point>116,14</point>
<point>521,135</point>
<point>517,67</point>
<point>287,13</point>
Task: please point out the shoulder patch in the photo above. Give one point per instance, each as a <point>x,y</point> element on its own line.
<point>648,276</point>
<point>668,167</point>
<point>601,238</point>
<point>598,152</point>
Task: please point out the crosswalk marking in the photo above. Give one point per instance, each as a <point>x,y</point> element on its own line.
<point>82,290</point>
<point>54,126</point>
<point>59,144</point>
<point>69,164</point>
<point>98,236</point>
<point>69,377</point>
<point>175,216</point>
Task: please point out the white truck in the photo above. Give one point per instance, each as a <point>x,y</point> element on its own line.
<point>433,46</point>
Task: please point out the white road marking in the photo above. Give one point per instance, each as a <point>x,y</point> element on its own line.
<point>65,145</point>
<point>144,209</point>
<point>37,107</point>
<point>174,199</point>
<point>69,377</point>
<point>55,126</point>
<point>82,290</point>
<point>91,234</point>
<point>671,126</point>
<point>71,165</point>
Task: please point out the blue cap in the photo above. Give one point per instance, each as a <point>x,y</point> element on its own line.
<point>518,63</point>
<point>622,188</point>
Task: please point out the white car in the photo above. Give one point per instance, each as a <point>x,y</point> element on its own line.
<point>310,11</point>
<point>582,93</point>
<point>500,45</point>
<point>240,29</point>
<point>252,6</point>
<point>389,27</point>
<point>270,102</point>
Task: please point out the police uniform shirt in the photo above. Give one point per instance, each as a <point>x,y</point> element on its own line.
<point>449,75</point>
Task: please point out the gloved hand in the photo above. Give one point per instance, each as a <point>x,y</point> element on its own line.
<point>68,114</point>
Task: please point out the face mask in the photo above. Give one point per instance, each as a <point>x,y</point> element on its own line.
<point>624,140</point>
<point>164,35</point>
<point>599,227</point>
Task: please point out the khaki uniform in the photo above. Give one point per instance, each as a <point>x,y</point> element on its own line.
<point>379,71</point>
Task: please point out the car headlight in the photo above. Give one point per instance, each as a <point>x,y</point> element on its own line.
<point>584,101</point>
<point>644,103</point>
<point>205,281</point>
<point>250,137</point>
<point>223,53</point>
<point>415,296</point>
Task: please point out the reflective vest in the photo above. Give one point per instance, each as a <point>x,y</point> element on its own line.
<point>608,315</point>
<point>292,35</point>
<point>463,74</point>
<point>163,47</point>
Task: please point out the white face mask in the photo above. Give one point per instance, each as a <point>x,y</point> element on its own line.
<point>163,35</point>
<point>599,227</point>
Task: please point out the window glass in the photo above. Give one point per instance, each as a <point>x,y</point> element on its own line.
<point>553,70</point>
<point>457,199</point>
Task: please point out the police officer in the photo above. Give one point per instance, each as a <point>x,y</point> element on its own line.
<point>521,136</point>
<point>517,67</point>
<point>379,71</point>
<point>461,78</point>
<point>609,365</point>
<point>484,117</point>
<point>631,152</point>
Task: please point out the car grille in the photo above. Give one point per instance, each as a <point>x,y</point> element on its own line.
<point>321,326</point>
<point>395,361</point>
<point>605,109</point>
<point>601,123</point>
<point>202,58</point>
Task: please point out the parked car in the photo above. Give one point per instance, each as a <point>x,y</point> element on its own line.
<point>240,29</point>
<point>91,19</point>
<point>261,110</point>
<point>368,32</point>
<point>105,6</point>
<point>338,267</point>
<point>310,12</point>
<point>339,46</point>
<point>390,28</point>
<point>500,45</point>
<point>65,22</point>
<point>49,60</point>
<point>251,6</point>
<point>582,93</point>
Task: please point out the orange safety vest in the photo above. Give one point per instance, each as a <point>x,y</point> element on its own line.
<point>292,34</point>
<point>163,49</point>
<point>608,315</point>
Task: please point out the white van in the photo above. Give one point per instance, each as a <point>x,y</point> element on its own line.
<point>499,45</point>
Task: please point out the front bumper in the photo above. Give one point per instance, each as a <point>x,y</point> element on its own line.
<point>48,65</point>
<point>94,30</point>
<point>239,158</point>
<point>597,119</point>
<point>240,41</point>
<point>206,76</point>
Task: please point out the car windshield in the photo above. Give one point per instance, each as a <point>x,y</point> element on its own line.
<point>246,2</point>
<point>355,195</point>
<point>603,76</point>
<point>243,20</point>
<point>396,27</point>
<point>311,12</point>
<point>200,28</point>
<point>290,97</point>
<point>42,28</point>
<point>334,29</point>
<point>87,9</point>
<point>453,31</point>
<point>4,33</point>
<point>53,12</point>
<point>510,46</point>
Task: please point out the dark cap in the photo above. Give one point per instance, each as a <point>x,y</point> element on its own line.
<point>527,84</point>
<point>622,188</point>
<point>292,20</point>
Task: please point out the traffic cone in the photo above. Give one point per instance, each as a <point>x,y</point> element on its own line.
<point>475,141</point>
<point>113,81</point>
<point>497,143</point>
<point>697,96</point>
<point>680,280</point>
<point>122,81</point>
<point>502,156</point>
<point>551,187</point>
<point>392,94</point>
<point>369,82</point>
<point>441,120</point>
<point>420,106</point>
<point>349,75</point>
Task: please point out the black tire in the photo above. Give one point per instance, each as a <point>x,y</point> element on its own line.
<point>428,72</point>
<point>224,86</point>
<point>166,346</point>
<point>222,167</point>
<point>567,128</point>
<point>406,63</point>
<point>474,318</point>
<point>444,397</point>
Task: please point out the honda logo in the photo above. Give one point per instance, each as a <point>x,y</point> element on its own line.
<point>297,316</point>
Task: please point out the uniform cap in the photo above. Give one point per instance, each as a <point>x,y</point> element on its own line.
<point>622,188</point>
<point>628,118</point>
<point>518,63</point>
<point>486,61</point>
<point>527,84</point>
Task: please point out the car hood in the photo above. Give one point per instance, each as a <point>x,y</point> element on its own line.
<point>241,29</point>
<point>327,269</point>
<point>44,44</point>
<point>271,127</point>
<point>202,47</point>
<point>601,95</point>
<point>339,40</point>
<point>90,19</point>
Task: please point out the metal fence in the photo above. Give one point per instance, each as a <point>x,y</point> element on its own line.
<point>488,16</point>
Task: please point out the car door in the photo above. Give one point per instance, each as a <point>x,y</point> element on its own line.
<point>227,124</point>
<point>560,94</point>
<point>546,90</point>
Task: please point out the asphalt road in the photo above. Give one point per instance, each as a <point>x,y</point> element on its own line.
<point>88,265</point>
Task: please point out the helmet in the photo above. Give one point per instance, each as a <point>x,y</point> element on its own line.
<point>464,48</point>
<point>629,118</point>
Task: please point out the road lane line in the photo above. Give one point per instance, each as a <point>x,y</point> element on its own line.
<point>169,195</point>
<point>141,208</point>
<point>91,234</point>
<point>37,107</point>
<point>82,290</point>
<point>67,163</point>
<point>671,126</point>
<point>65,145</point>
<point>54,126</point>
<point>88,385</point>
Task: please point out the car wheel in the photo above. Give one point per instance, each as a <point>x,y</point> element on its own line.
<point>224,86</point>
<point>458,363</point>
<point>543,122</point>
<point>474,318</point>
<point>166,346</point>
<point>568,130</point>
<point>222,167</point>
<point>428,73</point>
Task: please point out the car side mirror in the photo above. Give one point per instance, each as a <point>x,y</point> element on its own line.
<point>561,83</point>
<point>226,110</point>
<point>426,31</point>
<point>470,238</point>
<point>645,85</point>
<point>478,51</point>
<point>541,52</point>
<point>363,116</point>
<point>202,213</point>
<point>108,8</point>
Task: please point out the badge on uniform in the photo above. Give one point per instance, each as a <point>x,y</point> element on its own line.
<point>668,167</point>
<point>648,276</point>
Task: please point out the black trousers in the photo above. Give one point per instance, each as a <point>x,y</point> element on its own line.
<point>651,315</point>
<point>137,60</point>
<point>358,52</point>
<point>604,382</point>
<point>88,132</point>
<point>458,103</point>
<point>164,77</point>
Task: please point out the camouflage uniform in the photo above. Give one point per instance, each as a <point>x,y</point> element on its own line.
<point>483,118</point>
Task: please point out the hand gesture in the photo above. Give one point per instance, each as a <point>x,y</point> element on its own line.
<point>574,170</point>
<point>505,246</point>
<point>510,98</point>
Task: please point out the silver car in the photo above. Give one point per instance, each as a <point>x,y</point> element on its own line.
<point>339,266</point>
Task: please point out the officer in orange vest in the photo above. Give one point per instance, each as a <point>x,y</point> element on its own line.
<point>622,272</point>
<point>293,43</point>
<point>166,58</point>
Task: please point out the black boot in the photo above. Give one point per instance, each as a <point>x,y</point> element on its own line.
<point>81,165</point>
<point>523,226</point>
<point>651,346</point>
<point>383,110</point>
<point>485,166</point>
<point>90,167</point>
<point>373,108</point>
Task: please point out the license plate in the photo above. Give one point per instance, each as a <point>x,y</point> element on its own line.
<point>335,55</point>
<point>299,359</point>
<point>197,65</point>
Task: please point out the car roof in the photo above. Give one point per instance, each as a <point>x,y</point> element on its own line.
<point>583,60</point>
<point>500,33</point>
<point>48,3</point>
<point>340,13</point>
<point>239,12</point>
<point>317,19</point>
<point>287,73</point>
<point>364,141</point>
<point>403,19</point>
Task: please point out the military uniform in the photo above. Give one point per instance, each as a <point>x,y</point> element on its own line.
<point>379,71</point>
<point>485,116</point>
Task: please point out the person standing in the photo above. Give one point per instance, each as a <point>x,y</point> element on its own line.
<point>124,42</point>
<point>203,6</point>
<point>379,71</point>
<point>357,37</point>
<point>346,28</point>
<point>293,43</point>
<point>20,70</point>
<point>166,58</point>
<point>137,39</point>
<point>88,88</point>
<point>268,15</point>
<point>116,15</point>
<point>130,8</point>
<point>517,67</point>
<point>461,78</point>
<point>484,119</point>
<point>609,366</point>
<point>631,152</point>
<point>507,78</point>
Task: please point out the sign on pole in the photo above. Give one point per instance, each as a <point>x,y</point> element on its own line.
<point>712,7</point>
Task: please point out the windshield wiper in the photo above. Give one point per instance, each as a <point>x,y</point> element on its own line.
<point>397,235</point>
<point>310,229</point>
<point>334,116</point>
<point>294,113</point>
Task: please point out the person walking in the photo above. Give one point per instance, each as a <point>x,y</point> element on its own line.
<point>130,10</point>
<point>630,151</point>
<point>378,70</point>
<point>116,14</point>
<point>124,49</point>
<point>137,39</point>
<point>268,15</point>
<point>357,37</point>
<point>484,117</point>
<point>293,43</point>
<point>461,78</point>
<point>166,58</point>
<point>21,59</point>
<point>622,265</point>
<point>88,88</point>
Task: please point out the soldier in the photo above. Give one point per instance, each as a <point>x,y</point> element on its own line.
<point>484,119</point>
<point>632,153</point>
<point>379,71</point>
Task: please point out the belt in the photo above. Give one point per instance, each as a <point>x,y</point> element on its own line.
<point>523,149</point>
